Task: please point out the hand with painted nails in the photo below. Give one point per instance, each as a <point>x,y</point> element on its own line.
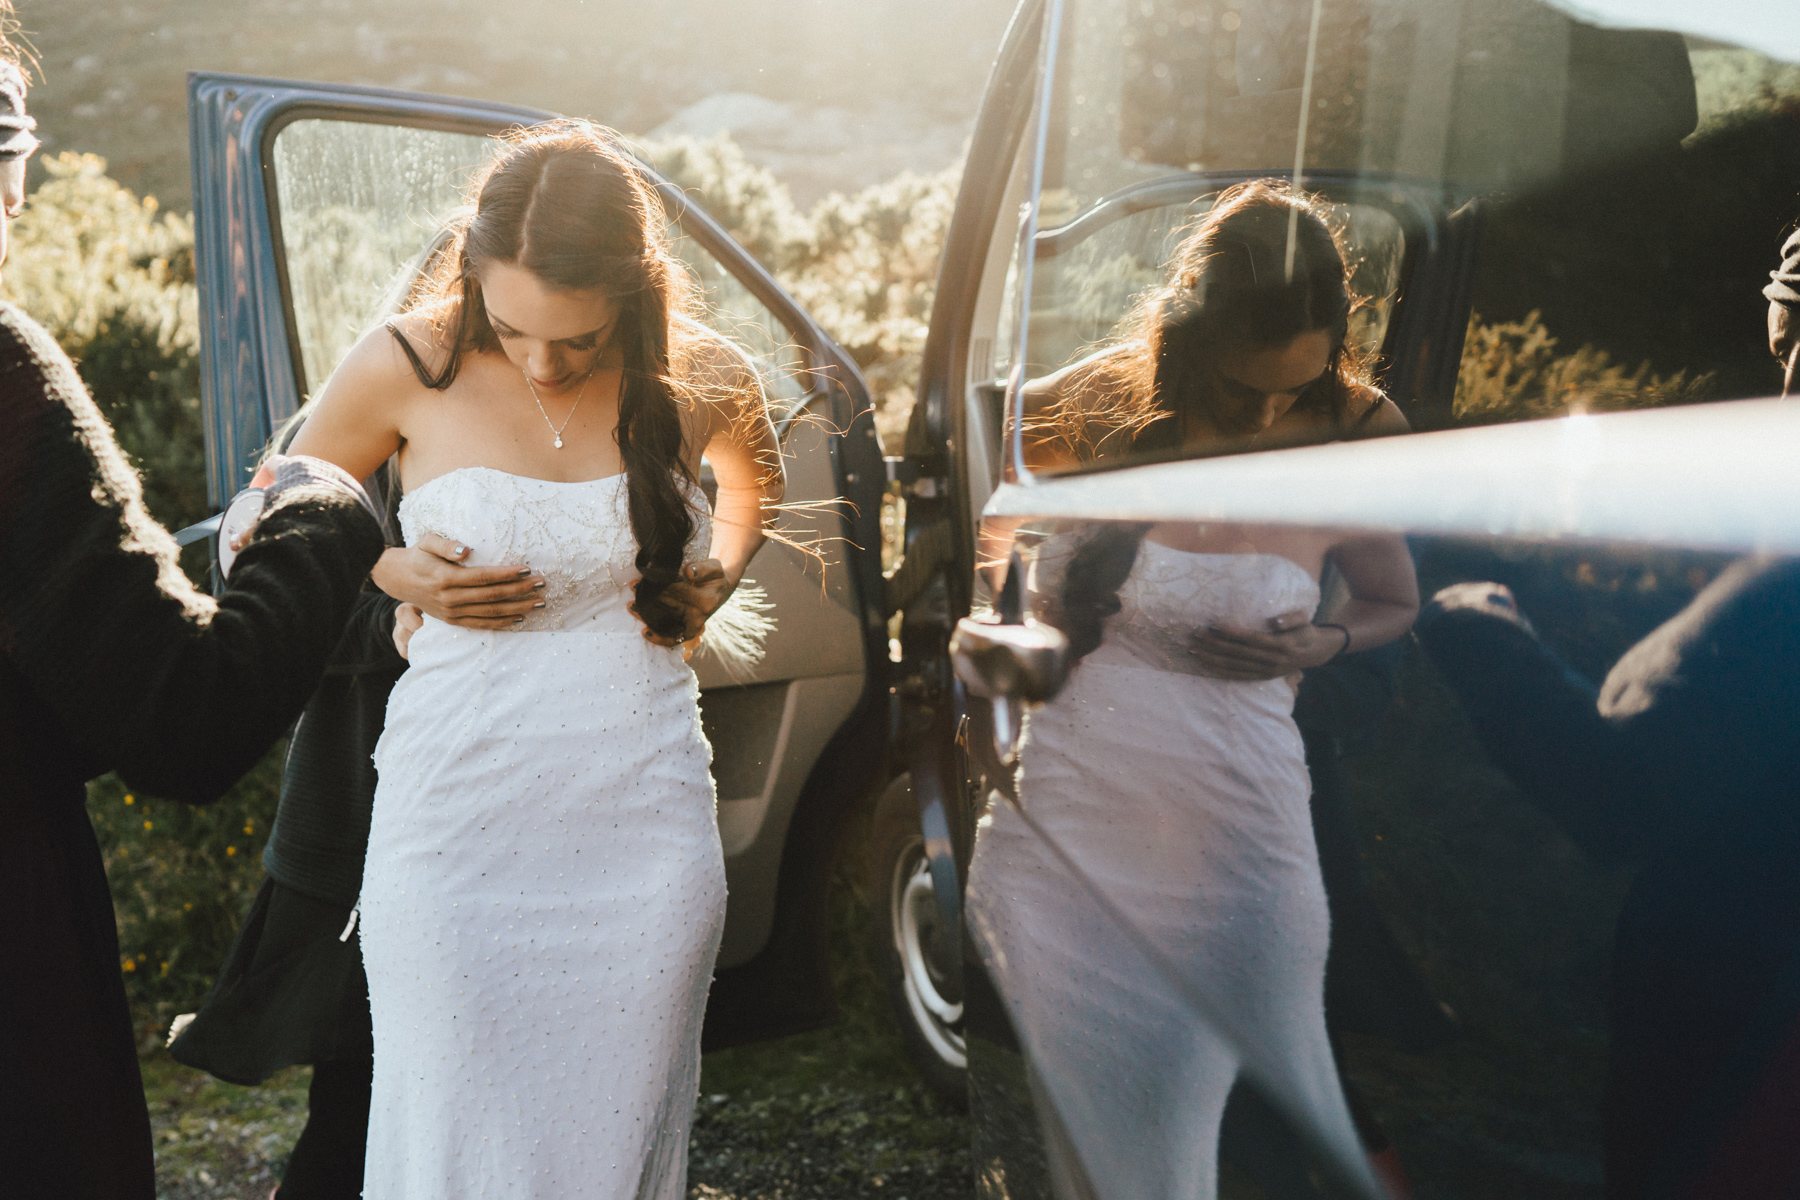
<point>431,577</point>
<point>1290,644</point>
<point>700,592</point>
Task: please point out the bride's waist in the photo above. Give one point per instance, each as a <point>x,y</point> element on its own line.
<point>606,635</point>
<point>574,614</point>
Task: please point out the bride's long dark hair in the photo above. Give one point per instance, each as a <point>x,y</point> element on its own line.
<point>565,202</point>
<point>1230,282</point>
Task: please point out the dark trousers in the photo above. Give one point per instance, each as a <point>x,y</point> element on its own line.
<point>327,1162</point>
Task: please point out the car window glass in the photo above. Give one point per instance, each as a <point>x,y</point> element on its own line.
<point>360,206</point>
<point>1510,888</point>
<point>1539,217</point>
<point>733,310</point>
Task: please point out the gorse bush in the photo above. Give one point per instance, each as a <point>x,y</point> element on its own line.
<point>1510,371</point>
<point>865,266</point>
<point>112,278</point>
<point>182,878</point>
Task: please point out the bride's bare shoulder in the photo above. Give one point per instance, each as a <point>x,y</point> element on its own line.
<point>378,365</point>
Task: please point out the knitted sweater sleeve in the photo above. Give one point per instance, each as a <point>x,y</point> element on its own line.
<point>178,692</point>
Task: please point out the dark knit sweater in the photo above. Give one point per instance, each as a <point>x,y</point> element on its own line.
<point>110,660</point>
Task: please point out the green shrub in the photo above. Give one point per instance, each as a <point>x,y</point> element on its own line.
<point>112,278</point>
<point>865,266</point>
<point>1510,371</point>
<point>182,879</point>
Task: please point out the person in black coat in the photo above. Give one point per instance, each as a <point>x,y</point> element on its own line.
<point>1686,761</point>
<point>111,661</point>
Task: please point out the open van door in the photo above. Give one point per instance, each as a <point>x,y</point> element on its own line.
<point>316,206</point>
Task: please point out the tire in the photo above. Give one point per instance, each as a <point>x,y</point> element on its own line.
<point>916,956</point>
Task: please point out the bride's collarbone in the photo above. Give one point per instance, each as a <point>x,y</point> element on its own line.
<point>489,418</point>
<point>1305,548</point>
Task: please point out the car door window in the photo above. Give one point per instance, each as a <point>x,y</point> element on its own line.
<point>1540,217</point>
<point>361,205</point>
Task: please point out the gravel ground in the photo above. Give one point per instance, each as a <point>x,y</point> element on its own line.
<point>835,1113</point>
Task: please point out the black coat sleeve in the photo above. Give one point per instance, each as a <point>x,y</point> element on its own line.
<point>178,692</point>
<point>367,644</point>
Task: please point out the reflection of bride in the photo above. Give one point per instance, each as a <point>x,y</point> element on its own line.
<point>1169,768</point>
<point>545,888</point>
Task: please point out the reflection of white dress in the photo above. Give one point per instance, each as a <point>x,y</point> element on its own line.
<point>545,888</point>
<point>1185,799</point>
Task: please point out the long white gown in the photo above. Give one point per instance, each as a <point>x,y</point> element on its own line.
<point>1184,800</point>
<point>545,887</point>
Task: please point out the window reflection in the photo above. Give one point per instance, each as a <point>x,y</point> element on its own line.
<point>1171,775</point>
<point>1247,344</point>
<point>1513,901</point>
<point>1577,219</point>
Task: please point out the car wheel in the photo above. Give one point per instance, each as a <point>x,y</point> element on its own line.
<point>917,955</point>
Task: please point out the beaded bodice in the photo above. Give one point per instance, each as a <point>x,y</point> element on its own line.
<point>576,535</point>
<point>1173,594</point>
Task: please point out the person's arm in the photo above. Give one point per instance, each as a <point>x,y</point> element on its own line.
<point>1537,719</point>
<point>746,463</point>
<point>367,643</point>
<point>732,426</point>
<point>358,424</point>
<point>430,577</point>
<point>357,420</point>
<point>178,692</point>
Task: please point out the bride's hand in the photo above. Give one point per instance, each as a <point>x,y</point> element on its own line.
<point>430,576</point>
<point>702,589</point>
<point>1290,644</point>
<point>408,620</point>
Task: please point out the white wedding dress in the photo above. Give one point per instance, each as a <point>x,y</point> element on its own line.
<point>545,888</point>
<point>1184,800</point>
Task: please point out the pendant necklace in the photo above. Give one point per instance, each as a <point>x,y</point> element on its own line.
<point>555,433</point>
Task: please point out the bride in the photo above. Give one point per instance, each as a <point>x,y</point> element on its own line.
<point>1169,770</point>
<point>545,887</point>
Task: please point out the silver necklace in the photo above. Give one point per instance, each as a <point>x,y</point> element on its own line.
<point>556,433</point>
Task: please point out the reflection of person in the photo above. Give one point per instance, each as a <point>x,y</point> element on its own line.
<point>1237,351</point>
<point>1170,768</point>
<point>1783,293</point>
<point>544,889</point>
<point>110,660</point>
<point>1685,761</point>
